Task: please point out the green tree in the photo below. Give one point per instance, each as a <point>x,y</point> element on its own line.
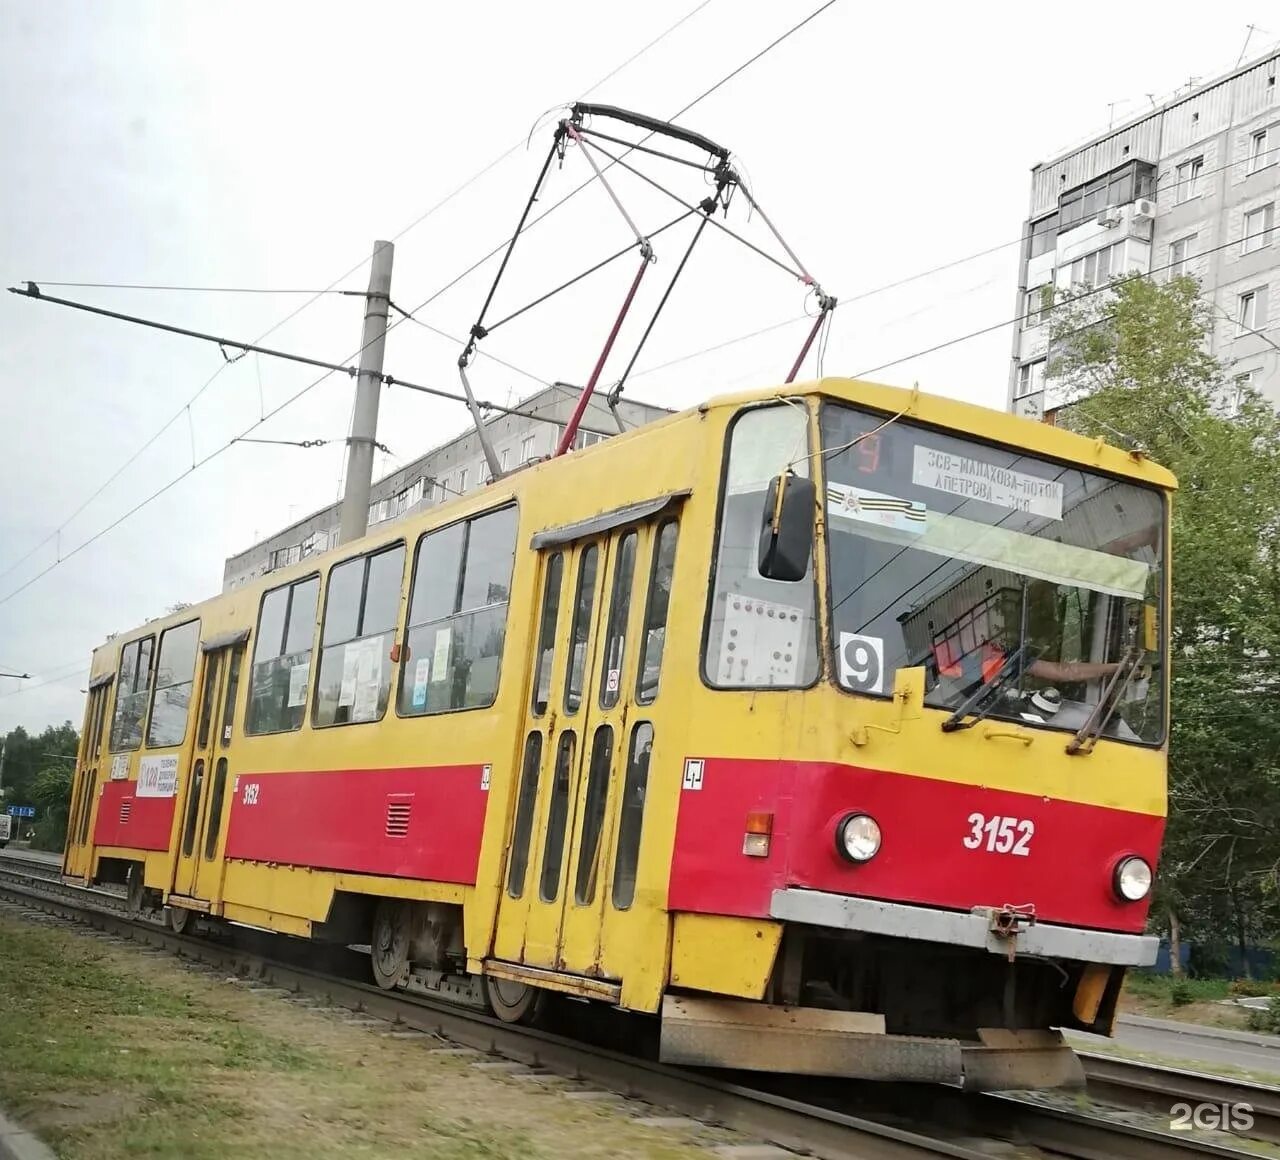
<point>1134,367</point>
<point>27,759</point>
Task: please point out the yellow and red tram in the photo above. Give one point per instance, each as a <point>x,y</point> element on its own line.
<point>826,722</point>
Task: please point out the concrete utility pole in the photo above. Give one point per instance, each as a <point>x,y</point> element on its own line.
<point>354,517</point>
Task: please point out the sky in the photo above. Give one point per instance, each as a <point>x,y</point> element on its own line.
<point>267,147</point>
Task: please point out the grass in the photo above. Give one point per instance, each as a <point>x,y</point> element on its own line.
<point>1191,1000</point>
<point>109,1054</point>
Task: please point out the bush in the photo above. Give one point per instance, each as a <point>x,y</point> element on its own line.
<point>1181,993</point>
<point>1248,988</point>
<point>1268,1020</point>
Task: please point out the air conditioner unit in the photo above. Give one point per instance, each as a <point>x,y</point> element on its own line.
<point>1110,216</point>
<point>1144,210</point>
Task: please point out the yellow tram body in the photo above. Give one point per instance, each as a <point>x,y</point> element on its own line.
<point>648,899</point>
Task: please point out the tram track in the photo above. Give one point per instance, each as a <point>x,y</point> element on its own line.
<point>807,1117</point>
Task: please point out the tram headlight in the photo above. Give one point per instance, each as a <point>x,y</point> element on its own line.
<point>1132,881</point>
<point>858,837</point>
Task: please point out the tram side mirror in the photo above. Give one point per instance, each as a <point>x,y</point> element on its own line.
<point>786,528</point>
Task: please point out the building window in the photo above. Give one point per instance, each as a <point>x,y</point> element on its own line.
<point>462,481</point>
<point>1031,378</point>
<point>1230,400</point>
<point>506,455</point>
<point>458,615</point>
<point>1259,156</point>
<point>1038,301</point>
<point>1044,235</point>
<point>1247,314</point>
<point>1188,180</point>
<point>282,658</point>
<point>1120,187</point>
<point>283,557</point>
<point>526,448</point>
<point>1180,254</point>
<point>361,608</point>
<point>1257,228</point>
<point>1098,268</point>
<point>175,672</point>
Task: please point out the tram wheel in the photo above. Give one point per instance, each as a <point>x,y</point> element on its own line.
<point>513,1002</point>
<point>180,919</point>
<point>389,944</point>
<point>136,890</point>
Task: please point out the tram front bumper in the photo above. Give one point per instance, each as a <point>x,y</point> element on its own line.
<point>958,928</point>
<point>808,1041</point>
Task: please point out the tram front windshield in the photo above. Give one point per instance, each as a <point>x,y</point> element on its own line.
<point>994,570</point>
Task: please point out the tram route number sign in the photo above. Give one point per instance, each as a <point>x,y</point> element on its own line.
<point>21,811</point>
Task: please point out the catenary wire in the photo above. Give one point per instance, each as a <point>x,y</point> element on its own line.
<point>579,188</point>
<point>332,285</point>
<point>299,394</point>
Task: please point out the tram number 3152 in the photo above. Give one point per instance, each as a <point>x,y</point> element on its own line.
<point>1000,835</point>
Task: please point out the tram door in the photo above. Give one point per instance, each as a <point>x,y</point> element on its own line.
<point>207,788</point>
<point>560,853</point>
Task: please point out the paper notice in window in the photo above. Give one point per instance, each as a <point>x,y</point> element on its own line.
<point>298,676</point>
<point>421,674</point>
<point>350,662</point>
<point>440,661</point>
<point>158,776</point>
<point>368,681</point>
<point>969,478</point>
<point>544,676</point>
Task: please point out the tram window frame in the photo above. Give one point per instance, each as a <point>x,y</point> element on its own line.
<point>526,809</point>
<point>577,663</point>
<point>594,811</point>
<point>558,822</point>
<point>130,695</point>
<point>235,663</point>
<point>811,644</point>
<point>626,858</point>
<point>217,797</point>
<point>385,630</point>
<point>649,626</point>
<point>157,688</point>
<point>296,659</point>
<point>545,645</point>
<point>618,622</point>
<point>433,611</point>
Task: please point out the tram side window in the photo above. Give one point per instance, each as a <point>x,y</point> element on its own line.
<point>133,688</point>
<point>458,615</point>
<point>361,609</point>
<point>761,633</point>
<point>282,658</point>
<point>175,672</point>
<point>631,815</point>
<point>653,641</point>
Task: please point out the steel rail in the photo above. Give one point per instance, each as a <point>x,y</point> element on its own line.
<point>821,1130</point>
<point>789,1123</point>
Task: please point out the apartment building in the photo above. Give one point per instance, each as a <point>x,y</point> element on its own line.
<point>1189,188</point>
<point>455,467</point>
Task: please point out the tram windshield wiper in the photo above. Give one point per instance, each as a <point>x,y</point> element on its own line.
<point>1091,730</point>
<point>988,691</point>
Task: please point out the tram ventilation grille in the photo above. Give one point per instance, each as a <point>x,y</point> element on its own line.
<point>398,818</point>
<point>126,807</point>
